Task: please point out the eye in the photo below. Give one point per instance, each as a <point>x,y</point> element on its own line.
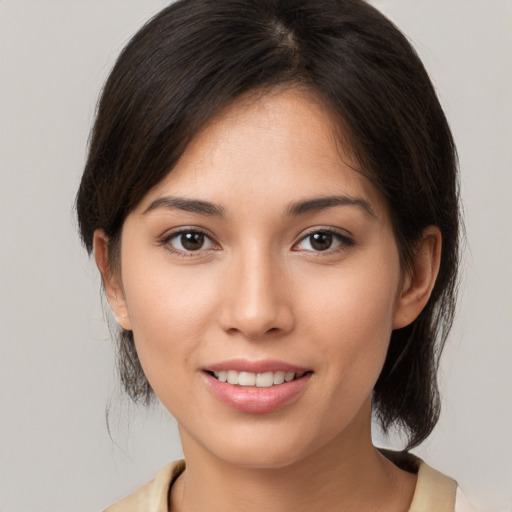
<point>324,240</point>
<point>187,241</point>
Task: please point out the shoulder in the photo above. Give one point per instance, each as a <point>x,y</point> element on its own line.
<point>152,497</point>
<point>434,490</point>
<point>440,491</point>
<point>462,504</point>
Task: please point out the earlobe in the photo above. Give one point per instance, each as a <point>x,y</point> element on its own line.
<point>419,282</point>
<point>110,279</point>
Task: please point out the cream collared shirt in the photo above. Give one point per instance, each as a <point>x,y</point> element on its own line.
<point>434,492</point>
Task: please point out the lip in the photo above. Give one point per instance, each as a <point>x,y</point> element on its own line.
<point>244,365</point>
<point>254,400</point>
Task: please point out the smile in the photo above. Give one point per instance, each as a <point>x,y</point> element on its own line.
<point>256,387</point>
<point>259,380</point>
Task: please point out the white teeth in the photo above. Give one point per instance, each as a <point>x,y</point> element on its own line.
<point>233,377</point>
<point>246,379</point>
<point>265,380</point>
<point>259,380</point>
<point>278,377</point>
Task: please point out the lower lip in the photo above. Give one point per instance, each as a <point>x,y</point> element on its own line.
<point>257,400</point>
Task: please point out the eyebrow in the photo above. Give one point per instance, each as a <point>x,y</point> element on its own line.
<point>187,205</point>
<point>294,209</point>
<point>322,203</point>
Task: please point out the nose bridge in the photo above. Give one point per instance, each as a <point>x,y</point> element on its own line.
<point>256,302</point>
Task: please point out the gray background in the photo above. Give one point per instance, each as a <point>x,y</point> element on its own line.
<point>56,362</point>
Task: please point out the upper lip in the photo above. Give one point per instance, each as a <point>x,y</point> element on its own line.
<point>262,366</point>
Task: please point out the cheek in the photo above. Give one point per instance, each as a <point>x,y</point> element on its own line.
<point>169,309</point>
<point>351,317</point>
<point>362,297</point>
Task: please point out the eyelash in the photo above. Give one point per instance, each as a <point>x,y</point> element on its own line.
<point>345,241</point>
<point>176,234</point>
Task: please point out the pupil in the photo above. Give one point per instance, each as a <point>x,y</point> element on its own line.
<point>321,241</point>
<point>192,241</point>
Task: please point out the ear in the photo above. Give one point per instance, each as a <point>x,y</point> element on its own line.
<point>111,281</point>
<point>420,279</point>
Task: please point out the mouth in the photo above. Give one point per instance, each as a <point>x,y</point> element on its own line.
<point>258,386</point>
<point>259,380</point>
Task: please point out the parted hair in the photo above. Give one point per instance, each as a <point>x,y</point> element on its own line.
<point>196,56</point>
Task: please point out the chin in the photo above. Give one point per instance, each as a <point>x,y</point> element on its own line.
<point>269,458</point>
<point>262,450</point>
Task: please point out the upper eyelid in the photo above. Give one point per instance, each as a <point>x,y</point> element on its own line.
<point>179,231</point>
<point>170,235</point>
<point>345,243</point>
<point>165,241</point>
<point>343,233</point>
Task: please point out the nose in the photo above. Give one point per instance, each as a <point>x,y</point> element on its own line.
<point>256,299</point>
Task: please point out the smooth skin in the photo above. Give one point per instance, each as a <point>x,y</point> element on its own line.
<point>318,287</point>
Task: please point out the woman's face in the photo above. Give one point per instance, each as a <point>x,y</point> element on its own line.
<point>262,252</point>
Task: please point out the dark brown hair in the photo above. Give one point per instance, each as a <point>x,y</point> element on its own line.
<point>196,56</point>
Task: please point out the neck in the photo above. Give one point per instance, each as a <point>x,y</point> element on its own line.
<point>346,474</point>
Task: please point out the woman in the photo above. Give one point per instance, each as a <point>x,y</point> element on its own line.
<point>271,198</point>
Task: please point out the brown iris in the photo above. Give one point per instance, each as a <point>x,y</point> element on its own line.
<point>192,241</point>
<point>321,241</point>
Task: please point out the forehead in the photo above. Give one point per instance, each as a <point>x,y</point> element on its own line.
<point>284,143</point>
